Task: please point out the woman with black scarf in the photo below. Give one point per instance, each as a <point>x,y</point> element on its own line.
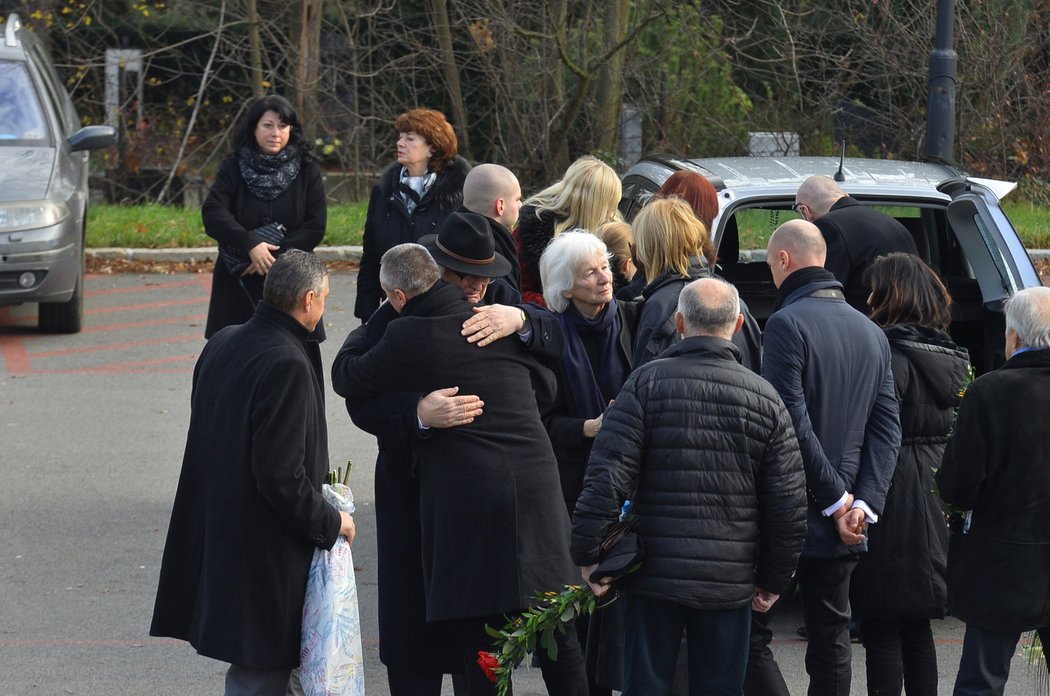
<point>268,197</point>
<point>599,335</point>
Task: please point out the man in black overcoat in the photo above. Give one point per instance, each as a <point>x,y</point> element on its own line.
<point>248,511</point>
<point>854,233</point>
<point>417,654</point>
<point>996,466</point>
<point>494,532</point>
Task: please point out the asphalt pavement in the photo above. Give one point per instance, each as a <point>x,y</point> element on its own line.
<point>92,427</point>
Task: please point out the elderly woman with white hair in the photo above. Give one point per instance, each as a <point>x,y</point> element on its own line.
<point>598,333</point>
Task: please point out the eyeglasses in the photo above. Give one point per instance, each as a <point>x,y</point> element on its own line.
<point>468,278</point>
<point>798,208</point>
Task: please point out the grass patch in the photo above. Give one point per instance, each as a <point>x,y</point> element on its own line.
<point>164,227</point>
<point>168,227</point>
<point>1031,221</point>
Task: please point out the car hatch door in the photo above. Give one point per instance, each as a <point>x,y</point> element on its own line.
<point>999,261</point>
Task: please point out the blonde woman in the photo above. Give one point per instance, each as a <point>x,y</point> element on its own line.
<point>619,239</point>
<point>670,243</point>
<point>584,198</point>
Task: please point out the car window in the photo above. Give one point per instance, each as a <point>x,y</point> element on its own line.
<point>22,121</point>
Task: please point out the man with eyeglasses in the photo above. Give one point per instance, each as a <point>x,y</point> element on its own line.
<point>492,484</point>
<point>465,251</point>
<point>855,234</point>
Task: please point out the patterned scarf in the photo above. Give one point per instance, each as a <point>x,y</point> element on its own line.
<point>268,176</point>
<point>413,188</point>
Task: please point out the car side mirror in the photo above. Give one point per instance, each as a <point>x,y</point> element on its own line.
<point>93,138</point>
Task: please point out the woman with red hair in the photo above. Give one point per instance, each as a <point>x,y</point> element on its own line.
<point>413,197</point>
<point>698,192</point>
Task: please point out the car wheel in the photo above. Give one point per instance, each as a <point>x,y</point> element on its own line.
<point>65,317</point>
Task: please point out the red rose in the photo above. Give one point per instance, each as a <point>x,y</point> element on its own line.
<point>488,662</point>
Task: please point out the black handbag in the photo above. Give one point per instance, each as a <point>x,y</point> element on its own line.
<point>237,261</point>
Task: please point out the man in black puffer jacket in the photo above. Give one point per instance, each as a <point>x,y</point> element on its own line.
<point>706,451</point>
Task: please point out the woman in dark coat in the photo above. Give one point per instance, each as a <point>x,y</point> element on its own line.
<point>412,198</point>
<point>584,198</point>
<point>899,584</point>
<point>674,247</point>
<point>270,178</point>
<point>598,333</point>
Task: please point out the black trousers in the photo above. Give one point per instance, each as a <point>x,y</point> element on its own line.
<point>899,654</point>
<point>405,684</point>
<point>985,663</point>
<point>824,586</point>
<point>763,677</point>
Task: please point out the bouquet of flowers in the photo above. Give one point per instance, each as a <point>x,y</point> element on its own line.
<point>332,661</point>
<point>537,625</point>
<point>620,553</point>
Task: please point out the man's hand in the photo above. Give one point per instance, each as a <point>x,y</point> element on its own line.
<point>763,601</point>
<point>443,409</point>
<point>592,426</point>
<point>262,258</point>
<point>851,526</point>
<point>492,322</point>
<point>347,527</point>
<point>598,588</point>
<point>844,509</point>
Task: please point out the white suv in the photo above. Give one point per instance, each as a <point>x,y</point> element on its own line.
<point>956,222</point>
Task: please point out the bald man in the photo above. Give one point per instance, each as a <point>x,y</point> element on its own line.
<point>494,191</point>
<point>855,234</point>
<point>831,366</point>
<point>706,451</point>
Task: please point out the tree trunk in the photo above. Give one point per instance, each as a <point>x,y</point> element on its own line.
<point>307,69</point>
<point>255,49</point>
<point>439,17</point>
<point>557,154</point>
<point>609,96</point>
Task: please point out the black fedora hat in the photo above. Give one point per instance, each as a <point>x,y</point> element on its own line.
<point>464,244</point>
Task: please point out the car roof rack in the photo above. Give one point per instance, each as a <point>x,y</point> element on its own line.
<point>13,24</point>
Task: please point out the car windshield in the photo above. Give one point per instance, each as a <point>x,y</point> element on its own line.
<point>22,120</point>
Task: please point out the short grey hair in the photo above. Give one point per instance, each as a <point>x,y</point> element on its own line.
<point>709,307</point>
<point>1028,314</point>
<point>409,268</point>
<point>560,262</point>
<point>292,275</point>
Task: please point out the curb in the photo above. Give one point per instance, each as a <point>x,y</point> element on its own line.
<point>327,253</point>
<point>195,254</point>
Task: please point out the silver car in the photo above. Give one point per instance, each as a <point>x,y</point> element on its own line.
<point>955,219</point>
<point>43,184</point>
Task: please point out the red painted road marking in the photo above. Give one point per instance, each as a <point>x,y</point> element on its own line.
<point>145,305</point>
<point>126,366</point>
<point>12,350</point>
<point>117,346</point>
<point>145,286</point>
<point>189,319</point>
